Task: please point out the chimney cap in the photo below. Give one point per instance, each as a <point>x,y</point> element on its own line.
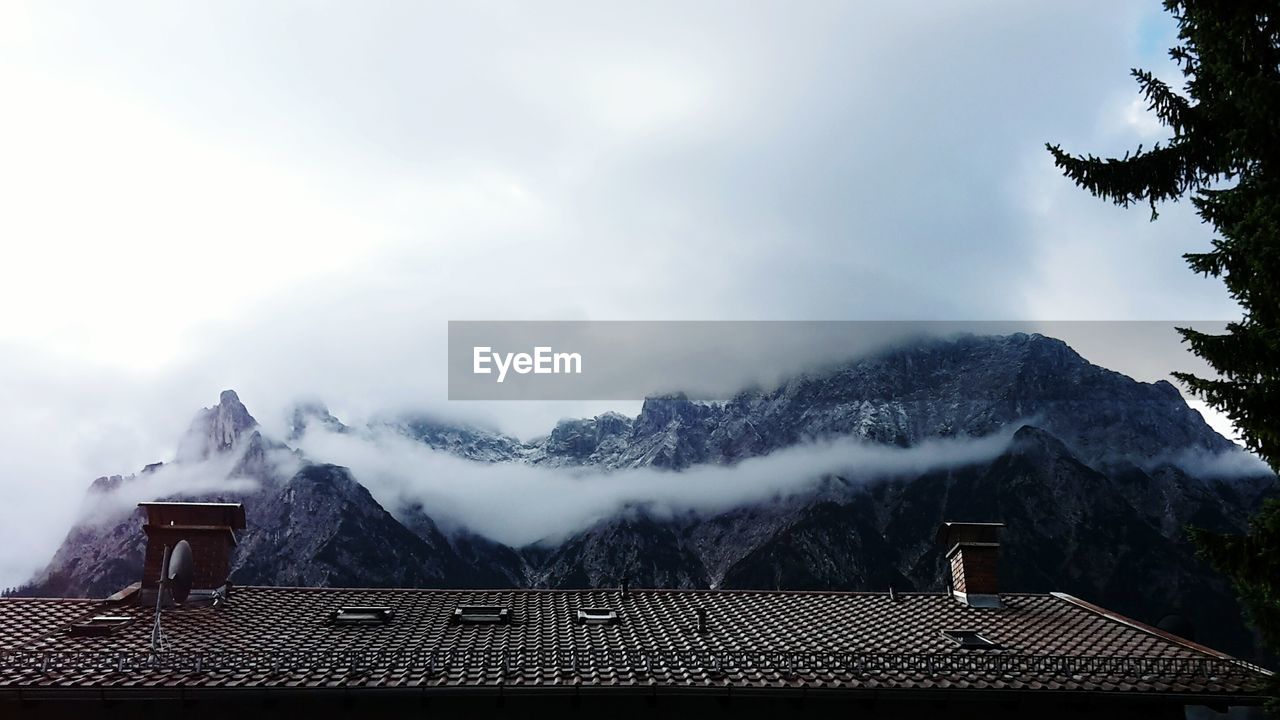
<point>230,515</point>
<point>953,533</point>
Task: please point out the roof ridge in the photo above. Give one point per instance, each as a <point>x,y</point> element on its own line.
<point>52,599</point>
<point>1152,630</point>
<point>569,591</point>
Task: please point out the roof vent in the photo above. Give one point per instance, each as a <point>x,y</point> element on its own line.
<point>481,614</point>
<point>596,616</point>
<point>969,639</point>
<point>362,615</point>
<point>99,625</point>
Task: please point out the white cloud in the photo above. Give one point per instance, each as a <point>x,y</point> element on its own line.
<point>1231,464</point>
<point>1217,420</point>
<point>126,231</point>
<point>519,504</point>
<point>1143,122</point>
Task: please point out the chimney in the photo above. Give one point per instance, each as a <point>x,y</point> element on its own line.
<point>973,554</point>
<point>209,528</point>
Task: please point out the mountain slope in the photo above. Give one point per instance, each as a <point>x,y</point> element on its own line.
<point>337,535</point>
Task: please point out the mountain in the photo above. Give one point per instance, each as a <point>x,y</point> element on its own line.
<point>634,546</point>
<point>216,429</point>
<point>312,414</point>
<point>103,552</point>
<point>468,441</point>
<point>1101,477</point>
<point>338,536</point>
<point>309,524</point>
<point>968,386</point>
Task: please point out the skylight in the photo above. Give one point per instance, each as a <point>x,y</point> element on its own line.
<point>362,615</point>
<point>99,625</point>
<point>596,616</point>
<point>969,639</point>
<point>479,614</point>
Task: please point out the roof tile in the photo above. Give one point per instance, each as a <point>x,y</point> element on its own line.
<point>282,637</point>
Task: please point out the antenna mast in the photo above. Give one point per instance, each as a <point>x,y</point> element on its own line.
<point>176,571</point>
<point>157,633</point>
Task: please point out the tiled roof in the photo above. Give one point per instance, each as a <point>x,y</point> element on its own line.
<point>283,637</point>
<point>23,622</point>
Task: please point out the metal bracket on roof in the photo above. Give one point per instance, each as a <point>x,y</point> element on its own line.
<point>978,600</point>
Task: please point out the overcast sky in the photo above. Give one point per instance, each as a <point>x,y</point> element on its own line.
<point>292,198</point>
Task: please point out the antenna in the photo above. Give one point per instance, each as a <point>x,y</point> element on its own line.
<point>176,571</point>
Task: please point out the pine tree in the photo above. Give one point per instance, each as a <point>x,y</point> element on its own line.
<point>1225,156</point>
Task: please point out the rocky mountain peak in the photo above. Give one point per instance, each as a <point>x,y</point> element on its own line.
<point>1032,441</point>
<point>582,439</point>
<point>216,429</point>
<point>659,411</point>
<point>462,439</point>
<point>313,413</point>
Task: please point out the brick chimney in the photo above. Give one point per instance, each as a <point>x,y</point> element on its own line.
<point>973,555</point>
<point>209,528</point>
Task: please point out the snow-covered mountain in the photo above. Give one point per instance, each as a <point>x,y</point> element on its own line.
<point>1096,488</point>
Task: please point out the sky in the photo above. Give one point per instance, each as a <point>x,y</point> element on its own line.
<point>293,198</point>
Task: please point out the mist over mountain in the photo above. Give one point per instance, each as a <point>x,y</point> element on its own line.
<point>835,479</point>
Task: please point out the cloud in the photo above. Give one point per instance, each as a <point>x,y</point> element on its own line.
<point>517,504</point>
<point>1237,463</point>
<point>212,476</point>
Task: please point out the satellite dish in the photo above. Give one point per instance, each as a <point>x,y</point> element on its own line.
<point>180,571</point>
